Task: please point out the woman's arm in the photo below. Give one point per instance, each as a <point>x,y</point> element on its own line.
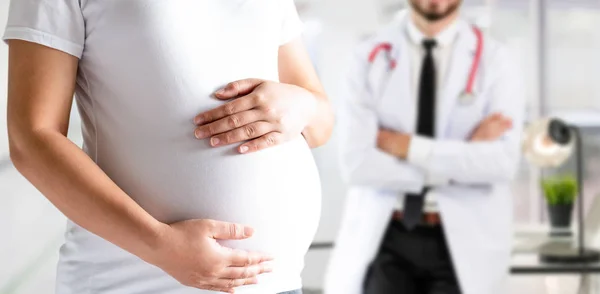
<point>40,91</point>
<point>40,94</point>
<point>295,68</point>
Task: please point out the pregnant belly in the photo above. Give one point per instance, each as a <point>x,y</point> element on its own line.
<point>276,191</point>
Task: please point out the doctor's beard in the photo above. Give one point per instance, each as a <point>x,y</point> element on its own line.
<point>435,10</point>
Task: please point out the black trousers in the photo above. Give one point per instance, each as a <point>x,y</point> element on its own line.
<point>412,262</point>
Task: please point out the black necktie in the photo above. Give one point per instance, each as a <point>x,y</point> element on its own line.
<point>413,203</point>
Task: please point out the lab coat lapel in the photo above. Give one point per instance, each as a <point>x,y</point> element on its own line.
<point>396,104</point>
<point>396,95</point>
<point>459,68</point>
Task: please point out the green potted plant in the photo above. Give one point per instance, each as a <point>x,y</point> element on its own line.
<point>560,193</point>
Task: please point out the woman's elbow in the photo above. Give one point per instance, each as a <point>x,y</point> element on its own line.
<point>319,134</point>
<point>18,152</point>
<point>320,139</point>
<point>22,145</point>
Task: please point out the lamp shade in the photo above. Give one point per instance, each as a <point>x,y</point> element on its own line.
<point>548,143</point>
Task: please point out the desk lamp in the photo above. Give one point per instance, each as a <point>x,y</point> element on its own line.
<point>549,143</point>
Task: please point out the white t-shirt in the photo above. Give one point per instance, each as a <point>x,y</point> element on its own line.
<point>147,67</point>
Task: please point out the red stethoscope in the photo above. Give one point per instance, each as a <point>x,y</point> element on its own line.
<point>467,94</point>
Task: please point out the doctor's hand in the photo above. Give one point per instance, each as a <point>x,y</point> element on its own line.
<point>267,113</point>
<point>190,253</point>
<point>492,128</point>
<point>393,143</point>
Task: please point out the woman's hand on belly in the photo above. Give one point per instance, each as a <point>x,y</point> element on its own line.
<point>268,113</point>
<point>189,252</point>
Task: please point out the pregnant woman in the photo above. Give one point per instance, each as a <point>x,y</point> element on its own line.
<point>198,117</point>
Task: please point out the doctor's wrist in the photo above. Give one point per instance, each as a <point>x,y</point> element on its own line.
<point>403,145</point>
<point>394,143</point>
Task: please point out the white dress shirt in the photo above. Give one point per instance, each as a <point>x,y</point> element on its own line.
<point>420,148</point>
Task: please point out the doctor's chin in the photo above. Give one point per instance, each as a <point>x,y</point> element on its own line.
<point>300,147</point>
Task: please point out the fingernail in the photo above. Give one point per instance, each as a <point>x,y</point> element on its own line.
<point>248,231</point>
<point>214,141</point>
<point>200,134</point>
<point>198,120</point>
<point>244,149</point>
<point>220,92</point>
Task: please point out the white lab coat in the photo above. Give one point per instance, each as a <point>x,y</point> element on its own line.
<point>475,205</point>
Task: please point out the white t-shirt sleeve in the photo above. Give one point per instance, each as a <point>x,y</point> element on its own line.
<point>292,26</point>
<point>57,24</point>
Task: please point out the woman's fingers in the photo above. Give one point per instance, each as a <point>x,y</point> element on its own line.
<point>247,272</point>
<point>228,123</point>
<point>238,88</point>
<point>242,258</point>
<point>268,140</point>
<point>244,133</point>
<point>229,284</point>
<point>227,109</point>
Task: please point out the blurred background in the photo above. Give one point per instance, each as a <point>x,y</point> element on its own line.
<point>557,42</point>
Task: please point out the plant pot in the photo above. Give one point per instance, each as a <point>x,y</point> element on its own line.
<point>560,215</point>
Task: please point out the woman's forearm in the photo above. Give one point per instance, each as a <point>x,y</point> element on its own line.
<point>319,130</point>
<point>82,191</point>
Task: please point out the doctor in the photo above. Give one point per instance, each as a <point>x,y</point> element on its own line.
<point>433,112</point>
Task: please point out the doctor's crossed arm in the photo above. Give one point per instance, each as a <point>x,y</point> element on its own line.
<point>362,162</point>
<point>398,144</point>
<point>490,154</point>
<point>491,128</point>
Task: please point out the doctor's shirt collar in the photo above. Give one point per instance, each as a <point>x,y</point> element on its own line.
<point>443,38</point>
